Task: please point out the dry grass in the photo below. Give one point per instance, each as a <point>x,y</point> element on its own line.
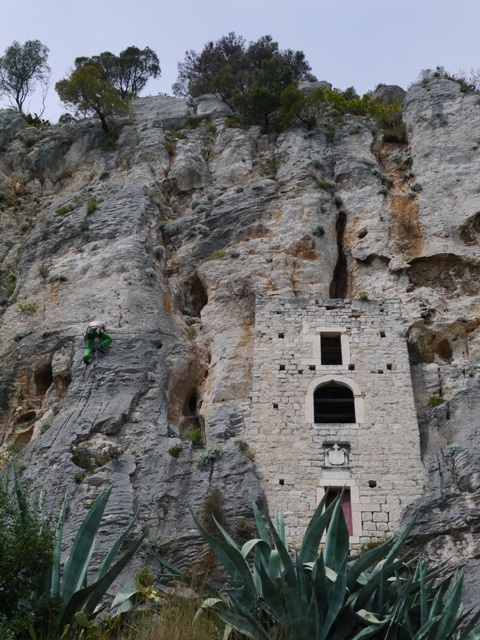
<point>173,620</point>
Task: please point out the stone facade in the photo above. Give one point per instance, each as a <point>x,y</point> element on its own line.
<point>376,455</point>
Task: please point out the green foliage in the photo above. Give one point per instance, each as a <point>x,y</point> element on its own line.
<point>36,121</point>
<point>228,66</point>
<point>206,459</point>
<point>218,255</point>
<point>87,93</point>
<point>324,594</point>
<point>260,101</point>
<point>212,511</point>
<point>363,295</point>
<point>38,599</point>
<point>22,67</point>
<point>195,436</point>
<point>246,449</point>
<point>29,309</point>
<point>92,205</point>
<point>435,401</point>
<point>326,107</point>
<point>169,147</point>
<point>128,72</point>
<point>26,554</point>
<point>192,332</point>
<point>11,283</point>
<point>61,211</point>
<point>176,450</point>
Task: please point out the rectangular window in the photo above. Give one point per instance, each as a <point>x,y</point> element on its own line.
<point>331,348</point>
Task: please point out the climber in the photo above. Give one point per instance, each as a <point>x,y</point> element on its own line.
<point>95,329</point>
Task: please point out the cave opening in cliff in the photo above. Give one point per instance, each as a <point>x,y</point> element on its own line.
<point>190,404</point>
<point>339,284</point>
<point>196,296</point>
<point>43,378</point>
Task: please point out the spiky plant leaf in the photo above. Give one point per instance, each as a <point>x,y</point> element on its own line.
<point>78,559</point>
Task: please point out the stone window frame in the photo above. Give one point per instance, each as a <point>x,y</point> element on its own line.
<point>348,382</point>
<point>315,338</point>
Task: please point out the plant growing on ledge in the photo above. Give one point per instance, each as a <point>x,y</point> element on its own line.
<point>435,401</point>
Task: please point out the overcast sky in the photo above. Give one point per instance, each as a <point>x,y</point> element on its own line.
<point>356,43</point>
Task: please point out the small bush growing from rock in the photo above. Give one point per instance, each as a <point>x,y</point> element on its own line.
<point>218,255</point>
<point>245,448</point>
<point>92,204</point>
<point>176,450</point>
<point>195,436</point>
<point>435,401</point>
<point>11,283</point>
<point>61,211</point>
<point>207,458</point>
<point>29,309</point>
<point>159,251</point>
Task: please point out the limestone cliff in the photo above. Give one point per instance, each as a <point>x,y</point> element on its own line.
<point>169,236</point>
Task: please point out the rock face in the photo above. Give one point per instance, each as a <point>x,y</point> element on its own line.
<point>168,238</point>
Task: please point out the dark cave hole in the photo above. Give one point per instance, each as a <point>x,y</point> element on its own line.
<point>444,350</point>
<point>190,404</point>
<point>43,378</point>
<point>339,284</point>
<point>196,294</point>
<point>27,417</point>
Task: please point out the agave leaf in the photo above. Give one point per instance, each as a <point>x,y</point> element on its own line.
<point>453,608</point>
<point>315,530</point>
<point>82,548</point>
<point>230,557</point>
<point>226,535</point>
<point>280,527</point>
<point>337,545</point>
<point>247,627</point>
<point>107,561</point>
<point>329,573</point>
<point>270,593</point>
<point>337,595</point>
<point>368,632</point>
<point>251,544</point>
<point>471,631</point>
<point>95,598</point>
<point>53,577</point>
<point>262,529</point>
<point>369,617</point>
<point>275,565</point>
<point>124,594</point>
<point>80,598</point>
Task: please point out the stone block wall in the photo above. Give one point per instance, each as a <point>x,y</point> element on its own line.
<point>376,457</point>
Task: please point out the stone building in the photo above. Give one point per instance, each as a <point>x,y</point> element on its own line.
<point>332,406</point>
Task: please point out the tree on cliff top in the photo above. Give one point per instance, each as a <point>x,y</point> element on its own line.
<point>21,68</point>
<point>129,72</point>
<point>87,92</point>
<point>228,66</point>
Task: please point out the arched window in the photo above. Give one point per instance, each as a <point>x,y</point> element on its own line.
<point>333,402</point>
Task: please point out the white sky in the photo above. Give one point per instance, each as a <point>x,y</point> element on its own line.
<point>347,42</point>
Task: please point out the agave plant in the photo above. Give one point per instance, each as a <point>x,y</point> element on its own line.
<point>320,593</point>
<point>69,587</point>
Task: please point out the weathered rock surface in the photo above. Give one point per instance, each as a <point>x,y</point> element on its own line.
<point>168,237</point>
